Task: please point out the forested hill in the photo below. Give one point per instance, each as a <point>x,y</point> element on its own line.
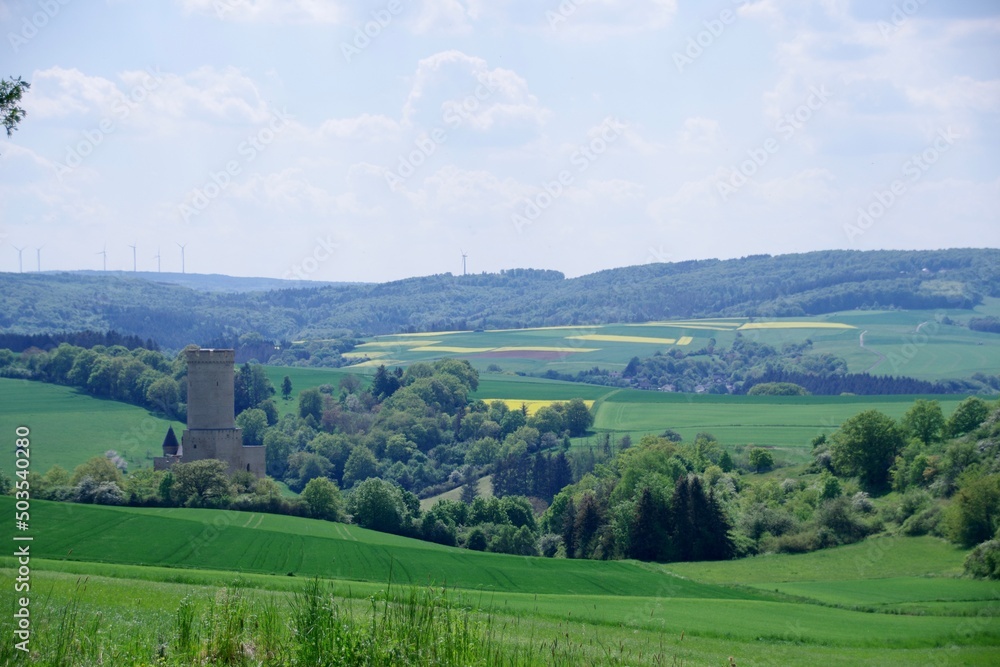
<point>785,285</point>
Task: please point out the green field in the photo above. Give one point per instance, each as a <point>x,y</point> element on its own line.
<point>302,378</point>
<point>527,388</point>
<point>820,608</point>
<point>68,426</point>
<point>784,422</point>
<point>264,543</point>
<point>876,558</point>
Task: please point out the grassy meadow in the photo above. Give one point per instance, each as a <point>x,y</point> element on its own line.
<point>68,426</point>
<point>101,583</point>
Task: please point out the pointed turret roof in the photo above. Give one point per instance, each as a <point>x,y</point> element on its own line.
<point>170,441</point>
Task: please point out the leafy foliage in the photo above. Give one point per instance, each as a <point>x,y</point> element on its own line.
<point>983,562</point>
<point>11,91</point>
<point>974,515</point>
<point>866,445</point>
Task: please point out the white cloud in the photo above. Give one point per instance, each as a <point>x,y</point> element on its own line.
<point>959,93</point>
<point>291,191</point>
<point>452,88</point>
<point>569,19</point>
<point>452,189</point>
<point>603,19</point>
<point>699,135</point>
<point>59,92</point>
<point>207,94</point>
<point>443,16</point>
<point>366,127</point>
<point>269,11</point>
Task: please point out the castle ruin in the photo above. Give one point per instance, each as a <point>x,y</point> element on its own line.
<point>211,431</point>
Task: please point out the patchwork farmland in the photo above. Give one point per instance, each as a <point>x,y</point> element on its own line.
<point>912,343</point>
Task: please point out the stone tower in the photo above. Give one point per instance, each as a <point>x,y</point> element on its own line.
<point>211,431</point>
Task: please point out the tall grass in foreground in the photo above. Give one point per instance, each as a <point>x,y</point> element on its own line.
<point>314,627</point>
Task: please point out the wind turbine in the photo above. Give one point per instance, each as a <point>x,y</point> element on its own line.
<point>182,255</point>
<point>133,258</point>
<point>104,252</point>
<point>20,265</point>
<point>157,260</point>
<point>38,257</point>
<point>464,256</point>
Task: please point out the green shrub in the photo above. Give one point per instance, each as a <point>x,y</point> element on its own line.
<point>926,522</point>
<point>794,543</point>
<point>974,516</point>
<point>910,503</point>
<point>983,562</point>
<point>839,517</point>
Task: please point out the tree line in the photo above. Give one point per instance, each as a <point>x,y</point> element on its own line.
<point>47,341</point>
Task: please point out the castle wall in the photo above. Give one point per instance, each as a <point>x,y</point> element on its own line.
<point>254,461</point>
<point>165,462</point>
<point>211,444</point>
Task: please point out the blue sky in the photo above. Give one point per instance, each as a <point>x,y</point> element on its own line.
<point>372,141</point>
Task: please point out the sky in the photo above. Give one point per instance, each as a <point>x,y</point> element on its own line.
<point>378,140</point>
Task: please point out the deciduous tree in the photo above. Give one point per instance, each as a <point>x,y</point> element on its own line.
<point>974,515</point>
<point>924,421</point>
<point>969,414</point>
<point>253,422</point>
<point>377,504</point>
<point>11,113</point>
<point>578,417</point>
<point>323,498</point>
<point>866,445</point>
<point>202,483</point>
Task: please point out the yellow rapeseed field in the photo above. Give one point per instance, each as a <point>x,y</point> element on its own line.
<point>533,404</point>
